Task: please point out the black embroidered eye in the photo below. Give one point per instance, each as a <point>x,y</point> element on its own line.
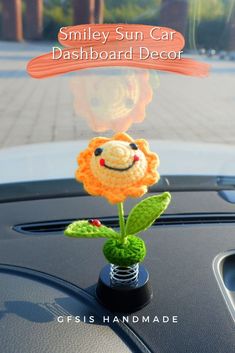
<point>133,146</point>
<point>95,102</point>
<point>98,151</point>
<point>129,103</point>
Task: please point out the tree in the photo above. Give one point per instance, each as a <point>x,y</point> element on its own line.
<point>83,11</point>
<point>34,19</point>
<point>174,14</point>
<point>99,11</point>
<point>231,43</point>
<point>12,20</point>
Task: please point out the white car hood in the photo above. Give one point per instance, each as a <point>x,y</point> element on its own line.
<point>58,160</point>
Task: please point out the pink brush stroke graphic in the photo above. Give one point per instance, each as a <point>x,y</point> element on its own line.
<point>45,66</point>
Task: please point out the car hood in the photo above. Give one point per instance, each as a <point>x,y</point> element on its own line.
<point>58,160</point>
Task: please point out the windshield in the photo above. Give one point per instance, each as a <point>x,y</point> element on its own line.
<point>190,121</point>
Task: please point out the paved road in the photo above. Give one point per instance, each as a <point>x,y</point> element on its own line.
<point>183,108</point>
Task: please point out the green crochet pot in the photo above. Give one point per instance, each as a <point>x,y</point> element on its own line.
<point>125,254</point>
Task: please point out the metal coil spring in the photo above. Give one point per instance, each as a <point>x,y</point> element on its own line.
<point>124,276</point>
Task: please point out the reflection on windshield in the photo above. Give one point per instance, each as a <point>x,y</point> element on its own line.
<point>112,99</point>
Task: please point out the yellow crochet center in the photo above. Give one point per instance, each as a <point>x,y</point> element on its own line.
<point>119,156</point>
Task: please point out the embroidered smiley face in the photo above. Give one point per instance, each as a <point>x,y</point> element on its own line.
<point>118,163</point>
<point>117,167</point>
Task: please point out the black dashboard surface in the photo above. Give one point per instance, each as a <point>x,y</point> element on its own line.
<point>179,261</point>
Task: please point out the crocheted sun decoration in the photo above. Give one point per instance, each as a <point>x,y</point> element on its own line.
<point>116,168</point>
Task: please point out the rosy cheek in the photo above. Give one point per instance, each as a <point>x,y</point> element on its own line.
<point>136,158</point>
<point>102,162</point>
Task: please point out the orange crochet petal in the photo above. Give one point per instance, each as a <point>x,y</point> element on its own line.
<point>122,137</point>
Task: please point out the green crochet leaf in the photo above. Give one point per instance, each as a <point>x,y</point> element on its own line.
<point>146,212</point>
<point>125,254</point>
<point>83,229</point>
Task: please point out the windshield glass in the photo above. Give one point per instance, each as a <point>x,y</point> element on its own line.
<point>189,121</point>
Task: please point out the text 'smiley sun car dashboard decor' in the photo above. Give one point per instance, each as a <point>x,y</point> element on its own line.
<point>117,168</point>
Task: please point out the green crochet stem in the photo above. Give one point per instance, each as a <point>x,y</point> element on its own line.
<point>124,248</point>
<point>122,222</point>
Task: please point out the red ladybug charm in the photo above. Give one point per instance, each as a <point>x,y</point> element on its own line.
<point>95,222</point>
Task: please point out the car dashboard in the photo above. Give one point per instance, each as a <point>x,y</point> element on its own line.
<point>47,297</point>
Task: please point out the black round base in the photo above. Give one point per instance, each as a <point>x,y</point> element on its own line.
<point>126,299</point>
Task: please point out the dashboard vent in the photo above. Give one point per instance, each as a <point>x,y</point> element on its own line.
<point>45,228</point>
